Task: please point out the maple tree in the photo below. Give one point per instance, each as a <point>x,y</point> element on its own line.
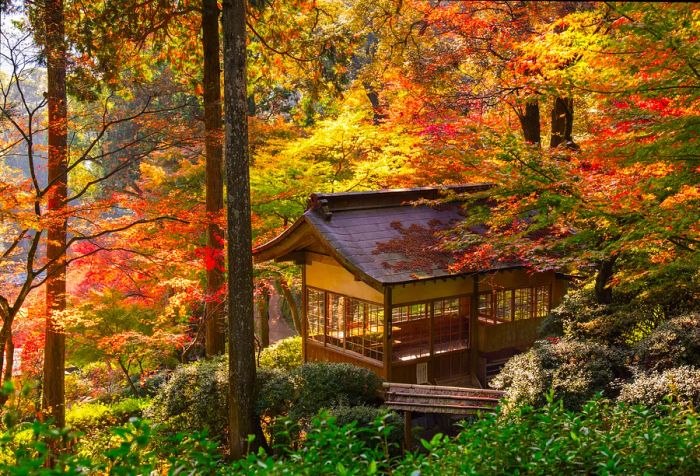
<point>466,77</point>
<point>583,115</point>
<point>37,209</point>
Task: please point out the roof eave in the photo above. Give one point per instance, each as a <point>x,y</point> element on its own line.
<point>452,276</point>
<point>273,249</point>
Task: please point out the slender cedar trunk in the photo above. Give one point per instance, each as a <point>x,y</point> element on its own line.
<point>563,123</point>
<point>242,417</point>
<point>264,316</point>
<point>603,290</point>
<point>530,122</point>
<point>293,308</point>
<point>54,350</point>
<point>215,341</point>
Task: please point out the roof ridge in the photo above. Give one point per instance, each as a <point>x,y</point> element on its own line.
<point>327,203</point>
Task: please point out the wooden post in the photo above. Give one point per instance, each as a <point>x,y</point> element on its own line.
<point>304,317</point>
<point>431,336</point>
<point>387,333</point>
<point>474,328</point>
<point>407,431</point>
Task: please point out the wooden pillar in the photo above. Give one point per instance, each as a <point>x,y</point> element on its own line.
<point>407,431</point>
<point>474,328</point>
<point>431,332</point>
<point>387,333</point>
<point>304,318</point>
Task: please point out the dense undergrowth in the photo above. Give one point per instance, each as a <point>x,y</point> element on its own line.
<point>602,438</point>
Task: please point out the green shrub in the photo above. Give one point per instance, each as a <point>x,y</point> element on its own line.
<point>77,387</point>
<point>88,417</point>
<point>680,384</point>
<point>329,448</point>
<point>195,397</point>
<point>574,370</point>
<point>133,448</point>
<point>322,385</point>
<point>365,417</point>
<point>106,381</point>
<point>274,393</point>
<point>672,344</point>
<point>602,438</point>
<point>153,381</point>
<point>283,355</point>
<point>622,323</point>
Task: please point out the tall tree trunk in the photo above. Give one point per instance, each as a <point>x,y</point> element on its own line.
<point>530,122</point>
<point>242,417</point>
<point>264,316</point>
<point>215,341</point>
<point>54,350</point>
<point>603,290</point>
<point>563,123</point>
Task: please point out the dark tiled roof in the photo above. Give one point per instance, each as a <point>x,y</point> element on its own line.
<point>383,235</point>
<point>372,239</point>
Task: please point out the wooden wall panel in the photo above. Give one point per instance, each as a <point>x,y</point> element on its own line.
<point>518,334</point>
<point>325,273</point>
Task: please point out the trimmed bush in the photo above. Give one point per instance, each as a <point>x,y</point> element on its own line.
<point>575,371</point>
<point>274,393</point>
<point>195,396</point>
<point>322,385</point>
<point>679,384</point>
<point>283,355</point>
<point>672,344</point>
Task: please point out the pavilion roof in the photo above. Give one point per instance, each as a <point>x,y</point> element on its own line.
<point>383,237</point>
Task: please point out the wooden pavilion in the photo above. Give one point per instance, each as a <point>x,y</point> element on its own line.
<point>379,293</point>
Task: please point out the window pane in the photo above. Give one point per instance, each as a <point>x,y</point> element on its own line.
<point>315,313</point>
<point>524,304</point>
<point>365,334</point>
<point>542,301</point>
<point>503,305</point>
<point>410,332</point>
<point>336,320</point>
<point>417,311</point>
<point>486,310</point>
<point>451,329</point>
<point>399,314</point>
